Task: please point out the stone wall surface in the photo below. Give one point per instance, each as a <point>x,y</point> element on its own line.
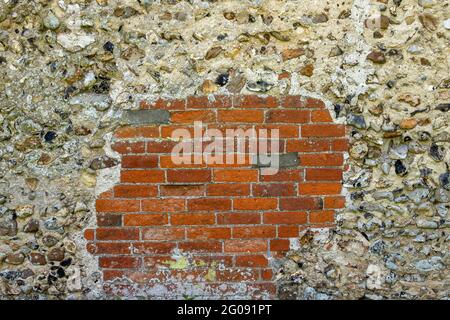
<point>71,69</point>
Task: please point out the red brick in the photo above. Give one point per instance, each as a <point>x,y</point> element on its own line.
<point>273,190</point>
<point>205,116</point>
<point>110,248</point>
<point>307,145</point>
<point>134,191</point>
<point>168,130</point>
<point>137,132</point>
<point>110,205</point>
<point>255,204</point>
<point>125,147</point>
<point>292,204</point>
<point>160,146</point>
<point>89,234</point>
<point>163,205</point>
<point>315,188</point>
<point>339,145</point>
<point>285,218</point>
<point>279,245</point>
<point>163,234</point>
<point>288,231</point>
<point>237,275</point>
<point>208,233</point>
<point>254,232</point>
<point>209,204</point>
<point>254,101</point>
<point>284,130</point>
<point>119,262</point>
<point>182,190</point>
<point>283,176</point>
<point>143,162</point>
<point>288,116</point>
<point>321,160</point>
<point>242,246</point>
<point>142,176</point>
<point>241,116</point>
<point>192,219</point>
<point>321,116</point>
<point>106,195</point>
<point>200,246</point>
<point>228,190</point>
<point>302,102</point>
<point>195,102</point>
<point>323,130</point>
<point>136,220</point>
<point>153,247</point>
<point>334,202</point>
<point>323,174</point>
<point>185,176</point>
<point>239,218</point>
<point>179,162</point>
<point>267,274</point>
<point>321,217</point>
<point>109,275</point>
<point>109,220</point>
<point>251,261</point>
<point>109,234</point>
<point>250,175</point>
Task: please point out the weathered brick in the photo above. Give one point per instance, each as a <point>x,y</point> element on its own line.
<point>192,219</point>
<point>285,218</point>
<point>254,232</point>
<point>163,234</point>
<point>142,176</point>
<point>251,261</point>
<point>109,220</point>
<point>273,190</point>
<point>254,101</point>
<point>321,217</point>
<point>142,117</point>
<point>288,116</point>
<point>209,204</point>
<point>208,233</point>
<point>241,116</point>
<point>189,176</point>
<point>205,116</point>
<point>113,205</point>
<point>163,205</point>
<point>304,203</point>
<point>243,246</point>
<point>182,190</point>
<point>228,190</point>
<point>136,220</point>
<point>255,204</point>
<point>109,234</point>
<point>135,191</point>
<point>119,262</point>
<point>250,175</point>
<point>143,162</point>
<point>321,160</point>
<point>239,218</point>
<point>316,188</point>
<point>323,174</point>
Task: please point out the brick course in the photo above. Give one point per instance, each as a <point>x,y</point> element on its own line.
<point>229,220</point>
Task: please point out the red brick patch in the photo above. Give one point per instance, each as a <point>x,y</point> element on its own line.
<point>229,220</point>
